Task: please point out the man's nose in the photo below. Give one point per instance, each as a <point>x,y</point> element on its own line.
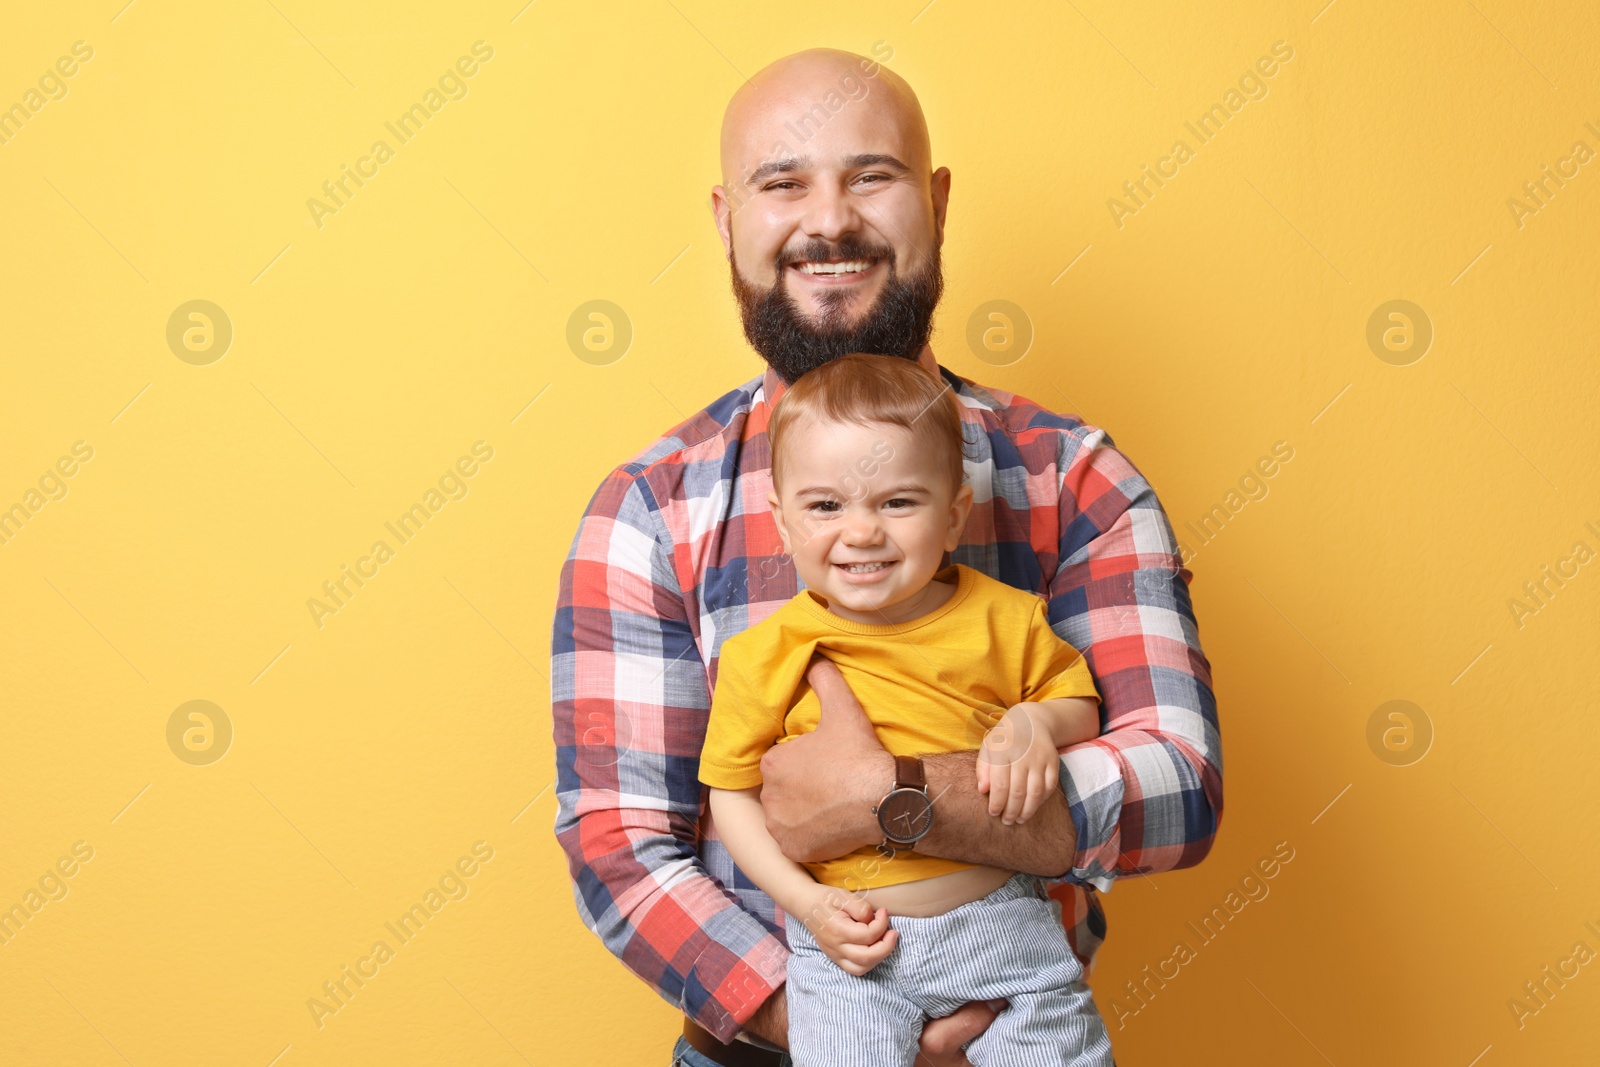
<point>831,212</point>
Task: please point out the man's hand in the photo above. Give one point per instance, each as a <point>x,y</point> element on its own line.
<point>818,790</point>
<point>942,1038</point>
<point>939,1046</point>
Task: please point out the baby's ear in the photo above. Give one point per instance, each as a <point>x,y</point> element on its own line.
<point>960,511</point>
<point>777,519</point>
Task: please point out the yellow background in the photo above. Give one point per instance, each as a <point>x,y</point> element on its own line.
<point>372,752</point>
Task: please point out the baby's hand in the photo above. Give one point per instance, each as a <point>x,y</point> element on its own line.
<point>849,932</point>
<point>1017,765</point>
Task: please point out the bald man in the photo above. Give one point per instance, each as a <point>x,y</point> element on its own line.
<point>832,218</point>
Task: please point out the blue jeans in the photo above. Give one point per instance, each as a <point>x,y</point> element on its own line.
<point>685,1055</point>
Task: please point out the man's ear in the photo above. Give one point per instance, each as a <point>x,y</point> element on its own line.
<point>941,201</point>
<point>960,510</point>
<point>777,518</point>
<point>722,213</point>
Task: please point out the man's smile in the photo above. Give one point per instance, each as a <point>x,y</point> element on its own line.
<point>835,272</point>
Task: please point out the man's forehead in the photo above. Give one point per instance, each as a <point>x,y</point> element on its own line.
<point>822,107</point>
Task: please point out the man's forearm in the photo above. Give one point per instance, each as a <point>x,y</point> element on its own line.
<point>964,830</point>
<point>771,1020</point>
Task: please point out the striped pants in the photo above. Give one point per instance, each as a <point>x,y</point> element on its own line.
<point>1009,944</point>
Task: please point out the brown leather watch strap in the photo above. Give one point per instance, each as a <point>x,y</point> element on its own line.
<point>908,773</point>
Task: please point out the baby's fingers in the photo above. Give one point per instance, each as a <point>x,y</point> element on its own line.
<point>859,959</point>
<point>850,932</point>
<point>1035,796</point>
<point>1046,780</point>
<point>877,927</point>
<point>999,786</point>
<point>1017,796</point>
<point>854,907</point>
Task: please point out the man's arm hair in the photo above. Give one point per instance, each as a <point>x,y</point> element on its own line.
<point>964,830</point>
<point>771,1021</point>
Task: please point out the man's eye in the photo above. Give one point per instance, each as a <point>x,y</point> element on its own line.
<point>782,185</point>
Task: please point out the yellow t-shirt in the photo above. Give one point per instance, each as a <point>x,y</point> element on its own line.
<point>934,684</point>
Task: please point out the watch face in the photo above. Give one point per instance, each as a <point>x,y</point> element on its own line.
<point>905,815</point>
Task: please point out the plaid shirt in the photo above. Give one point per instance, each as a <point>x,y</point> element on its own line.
<point>678,551</point>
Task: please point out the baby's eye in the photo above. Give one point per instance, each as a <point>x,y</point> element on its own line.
<point>901,501</point>
<point>823,505</point>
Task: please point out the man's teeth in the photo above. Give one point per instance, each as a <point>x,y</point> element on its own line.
<point>854,266</point>
<point>864,568</point>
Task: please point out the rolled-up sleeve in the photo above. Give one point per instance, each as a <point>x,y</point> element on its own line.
<point>1146,795</point>
<point>630,700</point>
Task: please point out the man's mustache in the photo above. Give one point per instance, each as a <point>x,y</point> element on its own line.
<point>818,251</point>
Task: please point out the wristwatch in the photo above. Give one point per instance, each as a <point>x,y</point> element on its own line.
<point>905,814</point>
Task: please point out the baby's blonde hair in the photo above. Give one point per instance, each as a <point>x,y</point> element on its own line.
<point>861,388</point>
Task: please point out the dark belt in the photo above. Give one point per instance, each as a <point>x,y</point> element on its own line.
<point>733,1054</point>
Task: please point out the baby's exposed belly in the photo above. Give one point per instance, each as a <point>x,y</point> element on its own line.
<point>935,896</point>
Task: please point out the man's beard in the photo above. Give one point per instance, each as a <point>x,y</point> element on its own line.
<point>897,323</point>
